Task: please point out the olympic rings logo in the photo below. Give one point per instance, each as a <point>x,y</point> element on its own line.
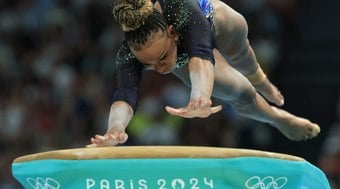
<point>178,184</point>
<point>40,183</point>
<point>268,182</point>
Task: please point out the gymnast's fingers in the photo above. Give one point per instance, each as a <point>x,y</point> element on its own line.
<point>119,138</point>
<point>175,111</point>
<point>101,138</point>
<point>187,112</point>
<point>106,140</point>
<point>200,103</point>
<point>216,109</point>
<point>122,137</point>
<point>93,145</point>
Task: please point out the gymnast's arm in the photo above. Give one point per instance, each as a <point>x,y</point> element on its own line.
<point>128,76</point>
<point>201,74</point>
<point>198,42</point>
<point>120,115</point>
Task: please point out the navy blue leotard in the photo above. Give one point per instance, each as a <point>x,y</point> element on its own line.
<point>193,21</point>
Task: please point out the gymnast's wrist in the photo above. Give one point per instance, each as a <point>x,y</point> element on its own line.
<point>120,115</point>
<point>199,93</point>
<point>116,126</point>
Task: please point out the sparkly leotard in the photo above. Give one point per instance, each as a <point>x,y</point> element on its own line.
<point>193,21</point>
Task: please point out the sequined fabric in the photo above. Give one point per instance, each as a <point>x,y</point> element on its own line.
<point>193,21</point>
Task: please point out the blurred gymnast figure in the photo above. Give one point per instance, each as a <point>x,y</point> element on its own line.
<point>204,43</point>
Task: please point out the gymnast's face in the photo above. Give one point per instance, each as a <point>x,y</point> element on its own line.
<point>159,53</point>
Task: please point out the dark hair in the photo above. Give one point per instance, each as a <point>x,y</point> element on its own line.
<point>139,20</point>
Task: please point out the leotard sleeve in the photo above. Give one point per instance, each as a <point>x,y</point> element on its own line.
<point>128,73</point>
<point>194,28</point>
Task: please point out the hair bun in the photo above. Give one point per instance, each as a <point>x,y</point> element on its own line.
<point>131,14</point>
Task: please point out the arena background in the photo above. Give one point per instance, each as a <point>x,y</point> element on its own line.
<point>56,81</point>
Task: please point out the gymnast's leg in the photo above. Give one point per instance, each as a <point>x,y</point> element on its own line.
<point>231,34</point>
<point>233,87</point>
<point>250,104</point>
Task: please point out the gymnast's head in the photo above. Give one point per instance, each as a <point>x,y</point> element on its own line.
<point>147,33</point>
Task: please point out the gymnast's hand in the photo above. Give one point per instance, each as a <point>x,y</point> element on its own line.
<point>111,138</point>
<point>120,115</point>
<point>200,107</point>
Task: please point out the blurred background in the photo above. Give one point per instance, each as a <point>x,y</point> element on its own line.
<point>56,81</point>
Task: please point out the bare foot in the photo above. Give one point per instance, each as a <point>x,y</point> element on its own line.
<point>297,128</point>
<point>270,92</point>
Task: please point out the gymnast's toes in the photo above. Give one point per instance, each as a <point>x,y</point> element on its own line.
<point>314,130</point>
<point>270,92</point>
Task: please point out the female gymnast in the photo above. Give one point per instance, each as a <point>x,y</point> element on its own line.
<point>204,43</point>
